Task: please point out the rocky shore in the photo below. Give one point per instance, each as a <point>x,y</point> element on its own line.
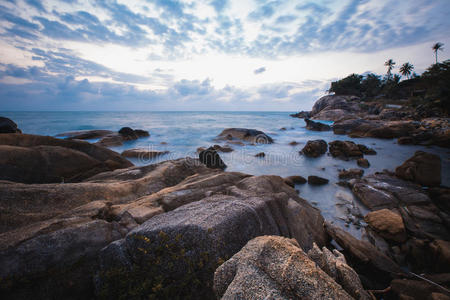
<point>79,221</point>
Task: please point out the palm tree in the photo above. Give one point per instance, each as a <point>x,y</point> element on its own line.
<point>436,47</point>
<point>406,69</point>
<point>390,64</point>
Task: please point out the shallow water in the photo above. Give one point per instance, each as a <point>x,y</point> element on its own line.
<point>184,132</point>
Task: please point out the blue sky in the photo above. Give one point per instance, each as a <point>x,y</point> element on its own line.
<point>204,55</point>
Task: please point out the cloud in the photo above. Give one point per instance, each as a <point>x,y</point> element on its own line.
<point>259,70</point>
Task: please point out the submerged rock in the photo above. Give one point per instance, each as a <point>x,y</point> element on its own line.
<point>211,159</point>
<point>423,168</point>
<point>249,135</point>
<point>315,148</point>
<point>316,126</point>
<point>43,159</point>
<point>276,268</point>
<point>8,126</point>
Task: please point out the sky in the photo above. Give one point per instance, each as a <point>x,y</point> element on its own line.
<point>204,55</point>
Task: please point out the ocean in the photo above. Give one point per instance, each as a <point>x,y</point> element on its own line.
<point>182,133</point>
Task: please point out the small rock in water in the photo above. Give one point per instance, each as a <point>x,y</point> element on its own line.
<point>283,128</point>
<point>260,154</point>
<point>363,163</point>
<point>293,180</point>
<point>315,148</point>
<point>293,143</point>
<point>316,180</point>
<point>211,159</point>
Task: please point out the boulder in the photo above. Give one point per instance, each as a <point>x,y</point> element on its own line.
<point>43,159</point>
<point>211,159</point>
<point>178,251</point>
<point>293,143</point>
<point>276,268</point>
<point>293,180</point>
<point>110,141</point>
<point>132,134</point>
<point>315,148</point>
<point>316,126</point>
<point>222,148</point>
<point>363,163</point>
<point>8,126</point>
<point>345,150</point>
<point>423,168</point>
<point>388,224</point>
<point>335,265</point>
<point>249,135</point>
<point>316,180</point>
<point>334,107</point>
<point>142,154</point>
<point>366,150</point>
<point>351,173</point>
<point>375,128</point>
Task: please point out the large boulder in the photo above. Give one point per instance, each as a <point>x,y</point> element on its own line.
<point>345,150</point>
<point>423,168</point>
<point>375,128</point>
<point>249,135</point>
<point>175,254</point>
<point>316,126</point>
<point>211,159</point>
<point>333,107</point>
<point>43,159</point>
<point>315,148</point>
<point>273,267</point>
<point>8,126</point>
<point>388,224</point>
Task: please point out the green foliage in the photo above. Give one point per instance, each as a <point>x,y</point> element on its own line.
<point>350,85</point>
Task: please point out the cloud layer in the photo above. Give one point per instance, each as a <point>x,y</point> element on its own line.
<point>198,55</point>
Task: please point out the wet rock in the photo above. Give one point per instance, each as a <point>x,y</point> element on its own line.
<point>315,148</point>
<point>43,159</point>
<point>222,148</point>
<point>345,150</point>
<point>8,126</point>
<point>423,168</point>
<point>351,173</point>
<point>249,135</point>
<point>132,134</point>
<point>366,150</point>
<point>142,154</point>
<point>316,126</point>
<point>260,154</point>
<point>293,143</point>
<point>405,140</point>
<point>85,134</point>
<point>110,141</point>
<point>293,180</point>
<point>276,267</point>
<point>363,163</point>
<point>375,128</point>
<point>388,224</point>
<point>316,180</point>
<point>211,159</point>
<point>335,265</point>
<point>283,128</point>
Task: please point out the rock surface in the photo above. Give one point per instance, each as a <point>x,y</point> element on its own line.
<point>388,224</point>
<point>85,134</point>
<point>43,159</point>
<point>351,173</point>
<point>316,126</point>
<point>423,168</point>
<point>293,180</point>
<point>334,107</point>
<point>142,154</point>
<point>345,150</point>
<point>316,180</point>
<point>8,126</point>
<point>249,135</point>
<point>272,267</point>
<point>363,163</point>
<point>315,148</point>
<point>211,159</point>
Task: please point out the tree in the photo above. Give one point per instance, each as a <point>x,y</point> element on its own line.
<point>406,69</point>
<point>436,47</point>
<point>390,64</point>
<point>350,85</point>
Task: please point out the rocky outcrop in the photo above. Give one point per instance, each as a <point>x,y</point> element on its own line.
<point>345,150</point>
<point>43,159</point>
<point>244,134</point>
<point>8,126</point>
<point>375,128</point>
<point>423,168</point>
<point>276,268</point>
<point>315,148</point>
<point>334,108</point>
<point>142,154</point>
<point>211,159</point>
<point>303,114</point>
<point>107,138</point>
<point>85,134</point>
<point>335,265</point>
<point>316,126</point>
<point>179,251</point>
<point>132,134</point>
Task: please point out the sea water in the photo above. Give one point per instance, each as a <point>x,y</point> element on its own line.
<point>182,133</point>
